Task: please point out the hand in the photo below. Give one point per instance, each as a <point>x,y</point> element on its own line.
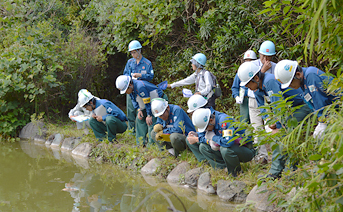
<point>71,118</point>
<point>148,120</point>
<point>214,145</point>
<point>275,131</point>
<point>93,116</point>
<point>192,139</point>
<point>140,115</point>
<point>99,118</point>
<point>158,127</point>
<point>197,93</point>
<point>319,130</point>
<point>272,126</point>
<point>193,134</point>
<point>238,100</point>
<point>266,66</point>
<point>136,75</point>
<point>169,86</point>
<point>158,135</point>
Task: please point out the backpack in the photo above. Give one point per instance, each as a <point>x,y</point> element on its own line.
<point>217,91</point>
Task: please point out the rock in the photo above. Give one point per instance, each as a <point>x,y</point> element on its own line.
<point>231,191</point>
<point>50,139</point>
<point>178,172</point>
<point>82,150</point>
<point>151,167</point>
<point>67,156</point>
<point>70,143</point>
<point>34,131</point>
<point>192,176</point>
<point>204,183</point>
<point>81,161</point>
<point>260,200</point>
<point>56,143</point>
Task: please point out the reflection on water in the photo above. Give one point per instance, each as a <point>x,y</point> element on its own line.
<point>36,178</point>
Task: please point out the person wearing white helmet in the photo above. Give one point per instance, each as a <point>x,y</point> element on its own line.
<point>215,133</point>
<point>141,93</point>
<point>264,86</point>
<point>266,53</point>
<point>195,102</point>
<point>138,67</point>
<point>201,78</point>
<point>112,121</point>
<point>311,80</point>
<point>240,93</point>
<point>78,111</point>
<point>171,120</point>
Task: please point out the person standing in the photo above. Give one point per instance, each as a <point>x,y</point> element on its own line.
<point>138,67</point>
<point>202,79</point>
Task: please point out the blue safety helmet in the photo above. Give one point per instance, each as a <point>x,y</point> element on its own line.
<point>267,48</point>
<point>135,44</point>
<point>200,58</point>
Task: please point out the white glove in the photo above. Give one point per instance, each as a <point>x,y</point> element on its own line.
<point>238,100</point>
<point>319,130</point>
<point>209,135</point>
<point>214,145</point>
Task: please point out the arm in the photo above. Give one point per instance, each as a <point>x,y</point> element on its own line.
<point>134,102</point>
<point>187,81</point>
<point>176,125</point>
<point>202,138</point>
<point>143,92</point>
<point>127,70</point>
<point>235,86</point>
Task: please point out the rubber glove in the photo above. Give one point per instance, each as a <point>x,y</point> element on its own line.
<point>158,128</point>
<point>319,130</point>
<point>158,135</point>
<point>238,100</point>
<point>214,145</point>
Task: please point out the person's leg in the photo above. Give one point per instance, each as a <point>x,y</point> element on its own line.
<point>150,129</point>
<point>257,123</point>
<point>98,128</point>
<point>211,103</point>
<point>214,157</point>
<point>244,110</point>
<point>234,155</point>
<point>162,145</point>
<point>278,163</point>
<point>141,129</point>
<point>114,126</point>
<point>196,151</point>
<point>178,142</point>
<point>131,113</point>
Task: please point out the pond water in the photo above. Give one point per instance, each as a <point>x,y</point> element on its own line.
<point>36,178</point>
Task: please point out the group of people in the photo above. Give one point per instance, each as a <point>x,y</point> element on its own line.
<point>209,134</point>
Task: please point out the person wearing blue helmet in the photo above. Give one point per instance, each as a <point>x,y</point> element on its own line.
<point>311,80</point>
<point>139,68</point>
<point>201,78</point>
<point>215,135</point>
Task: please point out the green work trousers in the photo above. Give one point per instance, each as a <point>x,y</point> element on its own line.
<point>235,154</point>
<point>244,110</point>
<point>142,128</point>
<point>195,148</point>
<point>177,142</point>
<point>131,113</point>
<point>214,157</point>
<point>278,160</point>
<point>113,126</point>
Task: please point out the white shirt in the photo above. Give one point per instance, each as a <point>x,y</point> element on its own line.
<point>205,83</point>
<point>260,64</point>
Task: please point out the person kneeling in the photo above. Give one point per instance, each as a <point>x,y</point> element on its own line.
<point>172,125</point>
<point>215,134</point>
<point>106,116</point>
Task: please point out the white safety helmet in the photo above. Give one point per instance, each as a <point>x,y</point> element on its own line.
<point>250,54</point>
<point>84,97</point>
<point>246,72</point>
<point>122,83</point>
<point>200,118</point>
<point>196,102</point>
<point>134,45</point>
<point>158,106</point>
<point>285,71</point>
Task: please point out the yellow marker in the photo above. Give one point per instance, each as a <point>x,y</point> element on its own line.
<point>227,133</point>
<point>146,100</point>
